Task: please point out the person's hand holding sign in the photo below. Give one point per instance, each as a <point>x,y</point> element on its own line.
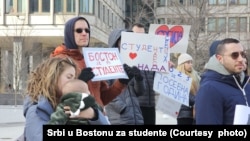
<point>137,74</point>
<point>86,74</point>
<point>129,72</point>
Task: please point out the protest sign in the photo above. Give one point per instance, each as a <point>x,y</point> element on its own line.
<point>168,106</point>
<point>242,115</point>
<point>147,52</point>
<point>105,63</point>
<point>174,85</point>
<point>178,35</point>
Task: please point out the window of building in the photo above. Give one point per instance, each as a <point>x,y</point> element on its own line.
<point>58,6</point>
<point>115,22</point>
<point>111,19</point>
<point>45,5</point>
<point>71,6</point>
<point>15,6</point>
<point>33,6</point>
<point>21,6</point>
<point>87,6</point>
<point>39,6</point>
<point>217,2</point>
<point>64,6</point>
<point>177,21</point>
<point>192,2</point>
<point>232,2</point>
<point>237,24</point>
<point>103,14</point>
<point>99,10</point>
<point>222,2</point>
<point>211,27</point>
<point>216,25</point>
<point>107,16</point>
<point>244,2</point>
<point>221,24</point>
<point>161,21</point>
<point>181,2</point>
<point>232,24</point>
<point>243,24</point>
<point>238,2</point>
<point>212,2</point>
<point>160,3</point>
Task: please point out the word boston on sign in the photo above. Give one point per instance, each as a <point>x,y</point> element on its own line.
<point>105,63</point>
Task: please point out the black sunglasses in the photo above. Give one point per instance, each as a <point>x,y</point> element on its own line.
<point>235,55</point>
<point>80,30</point>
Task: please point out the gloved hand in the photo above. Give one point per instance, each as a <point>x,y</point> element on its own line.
<point>86,74</point>
<point>137,74</point>
<point>129,72</point>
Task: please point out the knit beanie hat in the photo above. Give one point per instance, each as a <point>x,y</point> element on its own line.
<point>184,57</point>
<point>213,47</point>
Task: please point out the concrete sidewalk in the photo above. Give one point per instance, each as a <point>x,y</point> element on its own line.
<point>12,121</point>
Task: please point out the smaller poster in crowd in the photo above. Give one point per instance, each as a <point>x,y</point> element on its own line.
<point>168,106</point>
<point>105,62</point>
<point>145,51</point>
<point>242,115</point>
<point>178,35</point>
<point>175,85</point>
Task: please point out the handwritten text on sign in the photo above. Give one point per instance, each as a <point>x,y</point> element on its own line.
<point>175,85</point>
<point>105,63</point>
<point>147,52</point>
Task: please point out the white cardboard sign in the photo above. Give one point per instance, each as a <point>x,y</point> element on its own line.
<point>105,63</point>
<point>174,85</point>
<point>145,51</point>
<point>178,35</point>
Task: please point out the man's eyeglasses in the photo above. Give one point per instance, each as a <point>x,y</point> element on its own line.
<point>235,55</point>
<point>80,30</point>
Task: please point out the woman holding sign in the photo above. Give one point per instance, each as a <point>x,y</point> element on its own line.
<point>76,38</point>
<point>185,66</point>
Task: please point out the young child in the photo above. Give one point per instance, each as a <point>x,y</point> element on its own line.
<point>76,95</point>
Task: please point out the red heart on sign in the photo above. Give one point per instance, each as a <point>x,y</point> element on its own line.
<point>175,33</point>
<point>132,55</point>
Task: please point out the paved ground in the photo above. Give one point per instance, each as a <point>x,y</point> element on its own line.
<point>12,122</point>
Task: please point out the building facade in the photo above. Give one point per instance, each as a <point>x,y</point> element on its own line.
<point>31,29</point>
<point>209,19</point>
<point>225,18</point>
